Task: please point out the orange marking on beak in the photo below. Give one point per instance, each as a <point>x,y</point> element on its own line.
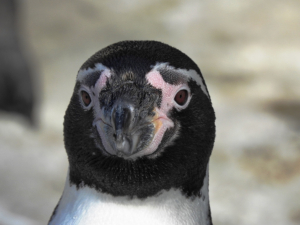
<point>156,122</point>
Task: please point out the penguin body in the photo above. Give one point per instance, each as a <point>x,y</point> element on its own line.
<point>139,131</point>
<point>86,206</point>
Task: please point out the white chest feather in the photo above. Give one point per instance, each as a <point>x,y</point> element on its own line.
<point>86,206</point>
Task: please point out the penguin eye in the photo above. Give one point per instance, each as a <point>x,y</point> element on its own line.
<point>181,97</point>
<point>85,98</point>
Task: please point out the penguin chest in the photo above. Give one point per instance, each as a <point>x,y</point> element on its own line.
<point>85,206</point>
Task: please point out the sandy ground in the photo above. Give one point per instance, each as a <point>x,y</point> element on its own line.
<point>249,53</point>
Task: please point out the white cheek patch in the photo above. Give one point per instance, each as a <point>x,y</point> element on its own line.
<point>189,74</point>
<point>101,82</point>
<point>95,89</point>
<point>82,74</point>
<point>94,92</point>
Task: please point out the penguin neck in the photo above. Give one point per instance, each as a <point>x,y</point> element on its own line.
<point>85,205</point>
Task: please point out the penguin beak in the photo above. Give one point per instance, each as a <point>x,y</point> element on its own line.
<point>127,132</point>
<point>122,118</point>
<point>156,121</point>
<point>124,129</point>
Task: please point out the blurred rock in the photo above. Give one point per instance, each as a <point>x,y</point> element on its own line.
<point>16,80</point>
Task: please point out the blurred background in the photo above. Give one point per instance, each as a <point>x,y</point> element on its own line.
<point>248,52</point>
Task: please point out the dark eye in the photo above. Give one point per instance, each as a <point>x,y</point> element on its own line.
<point>85,98</point>
<point>181,97</point>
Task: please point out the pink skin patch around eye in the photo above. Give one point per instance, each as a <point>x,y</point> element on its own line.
<point>162,122</point>
<point>101,82</point>
<point>168,90</point>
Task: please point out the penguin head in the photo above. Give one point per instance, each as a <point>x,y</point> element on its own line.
<point>140,121</point>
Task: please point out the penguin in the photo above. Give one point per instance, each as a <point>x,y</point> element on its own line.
<point>138,132</point>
